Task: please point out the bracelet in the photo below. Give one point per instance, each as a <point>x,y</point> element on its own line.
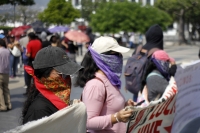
<point>115,115</point>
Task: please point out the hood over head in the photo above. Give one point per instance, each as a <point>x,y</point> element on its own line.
<point>154,38</point>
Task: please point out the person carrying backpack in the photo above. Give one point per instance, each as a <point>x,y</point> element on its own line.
<point>135,69</point>
<point>157,75</point>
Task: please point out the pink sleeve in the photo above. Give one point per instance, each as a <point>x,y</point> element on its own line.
<point>93,97</point>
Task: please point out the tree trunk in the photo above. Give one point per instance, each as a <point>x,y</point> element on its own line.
<point>199,34</point>
<point>193,32</point>
<point>24,21</point>
<point>181,28</point>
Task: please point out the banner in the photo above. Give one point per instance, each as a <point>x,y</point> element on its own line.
<point>180,113</point>
<point>187,116</point>
<point>71,119</point>
<point>158,116</point>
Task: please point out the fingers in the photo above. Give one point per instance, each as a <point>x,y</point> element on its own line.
<point>130,102</point>
<point>127,115</point>
<point>124,116</point>
<point>126,111</point>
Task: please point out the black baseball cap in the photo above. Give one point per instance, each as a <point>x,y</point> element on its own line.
<point>57,58</point>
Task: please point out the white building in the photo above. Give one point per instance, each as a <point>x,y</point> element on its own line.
<point>77,3</point>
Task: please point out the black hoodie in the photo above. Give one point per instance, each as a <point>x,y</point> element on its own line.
<point>154,38</point>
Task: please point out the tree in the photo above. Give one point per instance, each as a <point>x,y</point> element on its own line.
<point>114,17</point>
<point>7,17</point>
<point>26,14</point>
<point>17,2</point>
<point>59,12</point>
<point>2,20</point>
<point>89,7</point>
<point>178,9</point>
<point>192,18</point>
<point>23,14</point>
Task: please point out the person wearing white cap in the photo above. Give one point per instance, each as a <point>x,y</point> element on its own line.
<point>101,81</point>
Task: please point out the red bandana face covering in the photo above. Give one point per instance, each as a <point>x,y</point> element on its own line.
<point>56,90</point>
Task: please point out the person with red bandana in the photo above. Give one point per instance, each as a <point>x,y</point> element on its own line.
<point>52,83</point>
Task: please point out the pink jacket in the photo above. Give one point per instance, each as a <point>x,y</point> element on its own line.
<point>99,113</point>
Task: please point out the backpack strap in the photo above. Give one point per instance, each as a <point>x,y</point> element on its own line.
<point>150,52</point>
<point>138,49</point>
<point>104,86</point>
<point>153,74</point>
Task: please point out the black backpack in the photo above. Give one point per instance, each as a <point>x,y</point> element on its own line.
<point>135,68</point>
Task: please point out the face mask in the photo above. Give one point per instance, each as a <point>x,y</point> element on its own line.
<point>163,67</point>
<point>57,82</point>
<point>114,62</point>
<point>56,90</point>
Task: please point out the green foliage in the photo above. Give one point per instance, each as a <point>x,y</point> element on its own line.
<point>127,16</point>
<point>6,28</point>
<point>59,12</point>
<point>88,6</point>
<point>173,7</point>
<point>182,11</point>
<point>18,2</point>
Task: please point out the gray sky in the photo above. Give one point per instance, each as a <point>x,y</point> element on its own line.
<point>41,2</point>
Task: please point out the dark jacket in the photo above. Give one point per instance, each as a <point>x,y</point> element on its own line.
<point>39,108</point>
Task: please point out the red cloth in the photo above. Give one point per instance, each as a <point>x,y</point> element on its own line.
<point>162,55</point>
<point>33,47</point>
<point>47,93</point>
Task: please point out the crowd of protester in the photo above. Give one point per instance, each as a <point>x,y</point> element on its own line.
<point>48,64</point>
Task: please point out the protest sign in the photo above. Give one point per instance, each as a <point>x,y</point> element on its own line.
<point>158,116</point>
<point>187,116</point>
<point>71,119</point>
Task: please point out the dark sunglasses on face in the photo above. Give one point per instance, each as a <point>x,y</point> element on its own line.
<point>62,75</point>
<point>112,53</point>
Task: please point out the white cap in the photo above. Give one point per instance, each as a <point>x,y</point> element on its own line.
<point>105,43</point>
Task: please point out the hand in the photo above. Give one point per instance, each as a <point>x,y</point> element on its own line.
<point>16,43</point>
<point>130,103</point>
<point>63,42</point>
<point>123,116</point>
<point>172,70</point>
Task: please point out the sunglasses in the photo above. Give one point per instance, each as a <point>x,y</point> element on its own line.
<point>112,53</point>
<point>61,75</point>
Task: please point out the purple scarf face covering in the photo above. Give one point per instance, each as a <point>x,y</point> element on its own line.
<point>163,67</point>
<point>111,65</point>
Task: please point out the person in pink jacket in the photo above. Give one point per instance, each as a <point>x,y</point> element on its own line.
<point>101,81</point>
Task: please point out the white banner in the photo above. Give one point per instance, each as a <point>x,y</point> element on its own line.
<point>71,119</point>
<point>158,116</point>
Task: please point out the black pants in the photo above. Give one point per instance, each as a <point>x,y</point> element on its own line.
<point>29,77</point>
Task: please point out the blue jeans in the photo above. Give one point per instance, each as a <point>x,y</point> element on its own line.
<point>13,65</point>
<point>132,45</point>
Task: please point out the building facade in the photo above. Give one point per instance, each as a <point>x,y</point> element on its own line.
<point>77,3</point>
